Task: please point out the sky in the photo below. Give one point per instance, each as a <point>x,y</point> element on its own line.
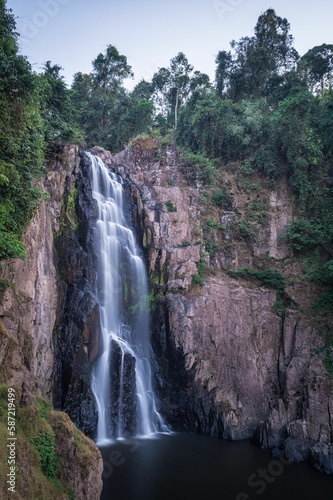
<point>149,33</point>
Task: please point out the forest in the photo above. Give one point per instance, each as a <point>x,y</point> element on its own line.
<point>269,111</point>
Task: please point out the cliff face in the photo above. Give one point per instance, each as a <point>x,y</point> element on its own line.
<point>234,358</point>
<point>31,298</point>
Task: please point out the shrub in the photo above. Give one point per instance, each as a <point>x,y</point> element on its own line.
<point>222,199</point>
<point>44,442</point>
<point>197,167</point>
<point>269,277</point>
<point>170,206</point>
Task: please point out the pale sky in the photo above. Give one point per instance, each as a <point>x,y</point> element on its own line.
<point>149,33</point>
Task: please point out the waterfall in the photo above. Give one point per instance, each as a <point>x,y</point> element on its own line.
<point>121,378</point>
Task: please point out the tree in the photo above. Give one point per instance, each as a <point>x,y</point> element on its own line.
<point>222,72</point>
<point>172,85</point>
<point>316,66</point>
<point>100,95</point>
<point>257,65</point>
<point>275,42</point>
<point>110,70</point>
<point>21,139</point>
<point>111,117</point>
<point>57,109</point>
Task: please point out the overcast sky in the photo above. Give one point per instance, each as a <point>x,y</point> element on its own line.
<point>149,33</point>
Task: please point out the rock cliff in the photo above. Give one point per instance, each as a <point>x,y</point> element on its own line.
<point>234,358</point>
<point>237,354</point>
<point>31,299</point>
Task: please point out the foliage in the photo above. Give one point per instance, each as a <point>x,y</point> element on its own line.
<point>245,229</point>
<point>222,199</point>
<point>268,277</point>
<point>21,140</point>
<point>108,114</point>
<point>170,206</point>
<point>56,108</point>
<point>198,279</point>
<point>211,247</point>
<point>196,167</point>
<point>324,303</point>
<point>172,86</point>
<point>256,66</point>
<point>45,445</point>
<point>316,67</point>
<point>110,69</point>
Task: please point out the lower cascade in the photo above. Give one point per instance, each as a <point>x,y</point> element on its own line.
<point>121,380</point>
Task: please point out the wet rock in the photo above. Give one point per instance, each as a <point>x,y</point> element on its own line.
<point>122,392</point>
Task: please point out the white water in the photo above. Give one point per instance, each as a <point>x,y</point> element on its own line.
<point>124,319</point>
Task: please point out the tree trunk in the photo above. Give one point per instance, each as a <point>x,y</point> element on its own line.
<point>176,108</point>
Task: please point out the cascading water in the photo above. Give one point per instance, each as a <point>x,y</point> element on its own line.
<point>121,380</point>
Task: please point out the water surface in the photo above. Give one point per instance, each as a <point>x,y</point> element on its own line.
<point>192,467</point>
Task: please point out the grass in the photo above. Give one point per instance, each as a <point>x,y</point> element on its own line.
<point>38,429</point>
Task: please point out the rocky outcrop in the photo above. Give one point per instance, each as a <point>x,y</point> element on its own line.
<point>76,332</point>
<point>233,358</point>
<point>31,304</point>
<point>29,299</point>
<point>73,447</point>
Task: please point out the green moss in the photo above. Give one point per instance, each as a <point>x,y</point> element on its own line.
<point>68,220</point>
<point>170,206</point>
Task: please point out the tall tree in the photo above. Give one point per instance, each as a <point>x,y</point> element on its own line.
<point>257,65</point>
<point>172,85</point>
<point>222,73</point>
<point>317,67</point>
<point>110,69</point>
<point>56,106</point>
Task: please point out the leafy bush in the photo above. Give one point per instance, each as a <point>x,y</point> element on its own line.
<point>222,199</point>
<point>269,277</point>
<point>170,206</point>
<point>198,279</point>
<point>44,442</point>
<point>245,229</point>
<point>306,233</point>
<point>324,303</point>
<point>197,167</point>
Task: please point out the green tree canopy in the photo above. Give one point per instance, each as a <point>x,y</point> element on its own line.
<point>317,67</point>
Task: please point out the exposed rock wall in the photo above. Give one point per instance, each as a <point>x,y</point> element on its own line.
<point>31,300</point>
<point>28,306</point>
<point>76,331</point>
<point>229,361</point>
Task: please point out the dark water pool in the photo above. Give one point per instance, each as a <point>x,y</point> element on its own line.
<point>192,467</point>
